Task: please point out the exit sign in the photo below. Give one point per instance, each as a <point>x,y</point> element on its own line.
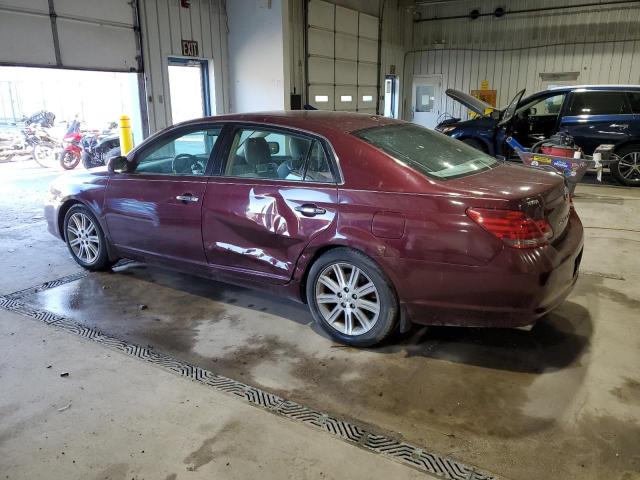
<point>190,48</point>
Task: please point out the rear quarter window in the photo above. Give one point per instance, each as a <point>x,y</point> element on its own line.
<point>598,103</point>
<point>634,99</point>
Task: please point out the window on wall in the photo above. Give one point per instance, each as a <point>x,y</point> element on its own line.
<point>598,103</point>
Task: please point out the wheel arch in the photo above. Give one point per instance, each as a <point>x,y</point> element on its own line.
<point>626,144</point>
<point>62,212</point>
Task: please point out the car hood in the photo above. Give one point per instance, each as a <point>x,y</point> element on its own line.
<point>472,103</point>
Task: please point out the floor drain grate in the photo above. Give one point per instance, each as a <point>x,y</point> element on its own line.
<point>396,449</point>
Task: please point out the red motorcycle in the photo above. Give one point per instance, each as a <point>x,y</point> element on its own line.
<point>72,152</point>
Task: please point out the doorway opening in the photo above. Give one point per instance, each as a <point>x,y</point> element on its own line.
<point>189,89</point>
<point>391,84</point>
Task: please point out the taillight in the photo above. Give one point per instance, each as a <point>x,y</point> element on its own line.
<point>513,227</point>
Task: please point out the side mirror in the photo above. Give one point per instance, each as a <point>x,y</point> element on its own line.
<point>118,164</point>
<point>274,148</point>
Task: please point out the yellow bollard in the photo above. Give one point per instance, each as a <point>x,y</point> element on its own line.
<point>126,137</point>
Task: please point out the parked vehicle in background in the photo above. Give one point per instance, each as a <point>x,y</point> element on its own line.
<point>42,118</point>
<point>72,150</point>
<point>45,146</point>
<point>98,148</point>
<point>591,114</point>
<point>374,222</point>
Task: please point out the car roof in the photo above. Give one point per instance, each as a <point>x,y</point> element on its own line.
<point>309,119</point>
<point>595,87</point>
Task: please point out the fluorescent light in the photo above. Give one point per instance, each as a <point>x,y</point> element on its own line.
<point>367,98</point>
<point>346,98</point>
<point>321,98</point>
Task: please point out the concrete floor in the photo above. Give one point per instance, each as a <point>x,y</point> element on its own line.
<point>561,401</point>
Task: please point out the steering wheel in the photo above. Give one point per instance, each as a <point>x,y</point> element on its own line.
<point>185,163</point>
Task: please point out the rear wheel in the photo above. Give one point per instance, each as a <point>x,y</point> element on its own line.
<point>351,298</point>
<point>627,169</point>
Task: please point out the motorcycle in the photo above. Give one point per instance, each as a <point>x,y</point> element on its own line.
<point>72,150</point>
<point>98,149</point>
<point>45,146</point>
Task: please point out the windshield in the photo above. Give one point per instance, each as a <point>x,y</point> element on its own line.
<point>426,151</point>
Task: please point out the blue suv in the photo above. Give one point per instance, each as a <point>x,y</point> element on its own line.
<point>591,114</point>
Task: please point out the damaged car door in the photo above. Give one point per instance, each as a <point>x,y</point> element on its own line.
<point>275,191</point>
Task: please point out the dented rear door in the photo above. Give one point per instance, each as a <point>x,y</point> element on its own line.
<point>259,227</point>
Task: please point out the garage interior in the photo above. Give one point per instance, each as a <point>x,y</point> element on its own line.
<point>147,373</point>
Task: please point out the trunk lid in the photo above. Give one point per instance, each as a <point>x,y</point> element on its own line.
<point>539,194</point>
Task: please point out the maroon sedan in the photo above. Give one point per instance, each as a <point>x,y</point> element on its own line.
<point>375,223</point>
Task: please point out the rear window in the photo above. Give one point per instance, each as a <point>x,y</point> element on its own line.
<point>598,103</point>
<point>429,152</point>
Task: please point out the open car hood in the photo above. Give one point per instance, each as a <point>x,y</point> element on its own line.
<point>472,103</point>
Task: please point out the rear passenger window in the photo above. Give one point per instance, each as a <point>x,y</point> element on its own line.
<point>598,103</point>
<point>277,155</point>
<point>634,99</point>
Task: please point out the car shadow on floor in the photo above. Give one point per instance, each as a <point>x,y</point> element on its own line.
<point>557,341</point>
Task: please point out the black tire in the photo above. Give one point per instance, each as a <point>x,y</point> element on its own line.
<point>68,161</point>
<point>627,169</point>
<point>48,161</point>
<point>384,295</point>
<point>101,261</point>
<point>475,144</point>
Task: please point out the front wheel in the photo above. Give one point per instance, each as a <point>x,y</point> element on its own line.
<point>85,239</point>
<point>69,160</point>
<point>351,298</point>
<point>627,169</point>
<point>45,154</point>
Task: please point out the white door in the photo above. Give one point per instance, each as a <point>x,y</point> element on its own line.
<point>425,100</point>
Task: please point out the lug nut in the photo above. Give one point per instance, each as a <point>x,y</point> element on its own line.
<point>354,296</point>
<point>343,305</point>
<point>353,305</point>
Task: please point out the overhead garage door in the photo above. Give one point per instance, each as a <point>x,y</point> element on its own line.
<point>90,34</point>
<point>342,58</point>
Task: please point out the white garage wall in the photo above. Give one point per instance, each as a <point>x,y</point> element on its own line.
<point>164,25</point>
<point>257,34</point>
<point>602,43</point>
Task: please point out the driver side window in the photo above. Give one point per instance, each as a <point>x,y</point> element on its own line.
<point>184,154</point>
<point>547,106</point>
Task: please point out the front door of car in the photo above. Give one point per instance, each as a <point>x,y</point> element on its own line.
<point>155,209</point>
<point>538,118</point>
<point>596,117</point>
<point>268,203</point>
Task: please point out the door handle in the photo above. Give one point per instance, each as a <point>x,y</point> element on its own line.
<point>310,210</point>
<point>619,125</point>
<point>187,197</point>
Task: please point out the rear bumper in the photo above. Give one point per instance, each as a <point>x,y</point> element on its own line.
<point>515,289</point>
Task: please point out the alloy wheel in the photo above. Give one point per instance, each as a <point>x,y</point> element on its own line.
<point>347,299</point>
<point>83,238</point>
<point>629,166</point>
